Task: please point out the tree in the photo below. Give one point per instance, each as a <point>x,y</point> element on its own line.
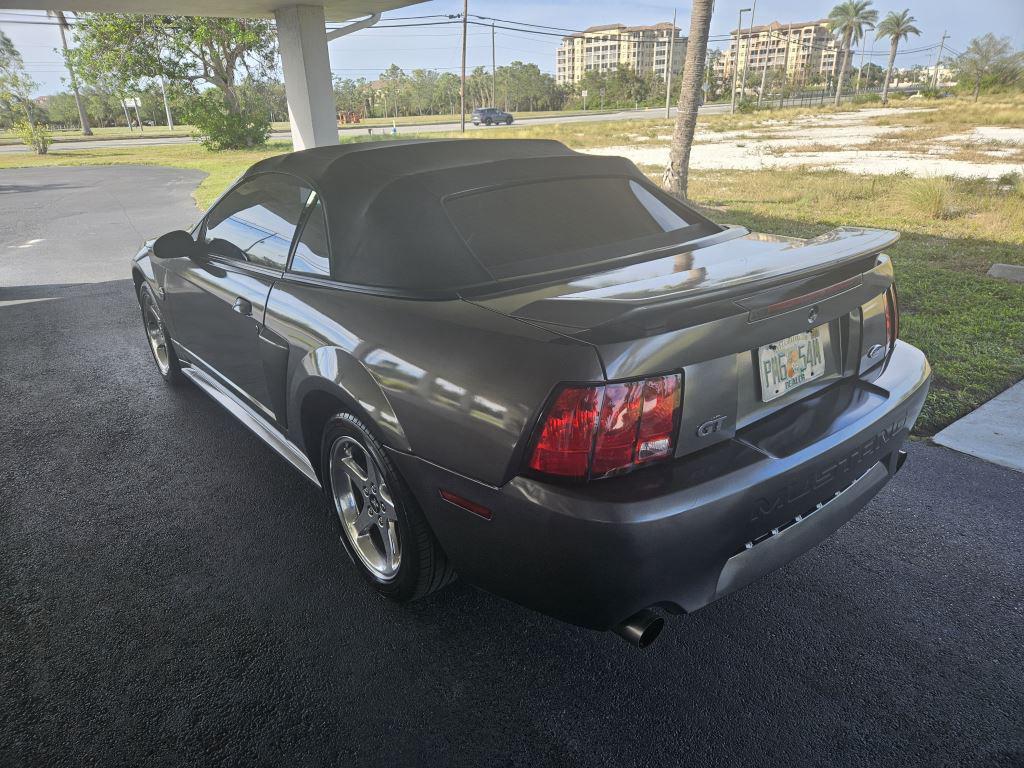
<point>62,24</point>
<point>523,86</point>
<point>678,171</point>
<point>896,27</point>
<point>15,84</point>
<point>988,58</point>
<point>849,20</point>
<point>119,51</point>
<point>352,95</point>
<point>61,109</point>
<point>392,87</point>
<point>447,92</point>
<point>16,91</point>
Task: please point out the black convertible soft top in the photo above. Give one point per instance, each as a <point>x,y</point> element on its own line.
<point>387,208</point>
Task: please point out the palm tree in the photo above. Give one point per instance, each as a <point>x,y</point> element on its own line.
<point>62,24</point>
<point>678,170</point>
<point>849,20</point>
<point>895,26</point>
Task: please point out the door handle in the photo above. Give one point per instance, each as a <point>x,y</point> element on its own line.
<point>242,306</point>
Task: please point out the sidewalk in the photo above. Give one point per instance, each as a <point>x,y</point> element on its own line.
<point>994,432</point>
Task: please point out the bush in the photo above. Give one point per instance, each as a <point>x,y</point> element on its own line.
<point>217,128</point>
<point>867,98</point>
<point>35,136</point>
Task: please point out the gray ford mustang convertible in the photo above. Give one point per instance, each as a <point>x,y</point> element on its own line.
<point>535,369</point>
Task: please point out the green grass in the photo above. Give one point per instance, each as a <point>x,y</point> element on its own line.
<point>970,326</point>
<point>103,134</point>
<point>161,132</point>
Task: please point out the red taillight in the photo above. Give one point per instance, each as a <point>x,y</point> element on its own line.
<point>594,431</point>
<point>892,317</point>
<point>658,423</point>
<point>567,437</point>
<point>616,436</point>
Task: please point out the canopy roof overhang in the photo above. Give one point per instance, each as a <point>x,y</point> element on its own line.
<point>334,10</point>
<point>302,41</point>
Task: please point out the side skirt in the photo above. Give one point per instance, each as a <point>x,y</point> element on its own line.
<point>254,421</point>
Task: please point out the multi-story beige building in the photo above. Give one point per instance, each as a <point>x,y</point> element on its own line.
<point>612,46</point>
<point>804,49</point>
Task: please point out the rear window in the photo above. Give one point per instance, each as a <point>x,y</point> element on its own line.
<point>526,229</point>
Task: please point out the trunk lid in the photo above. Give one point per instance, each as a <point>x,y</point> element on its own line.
<point>707,309</point>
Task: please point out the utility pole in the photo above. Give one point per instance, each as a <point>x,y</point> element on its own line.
<point>167,106</point>
<point>668,74</point>
<point>785,61</point>
<point>494,71</point>
<point>736,58</point>
<point>764,76</point>
<point>938,60</point>
<point>750,45</point>
<point>462,84</point>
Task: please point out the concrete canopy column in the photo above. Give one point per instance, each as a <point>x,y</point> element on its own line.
<point>302,38</point>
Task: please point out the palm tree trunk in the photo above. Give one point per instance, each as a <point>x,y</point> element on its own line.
<point>888,72</point>
<point>678,171</point>
<point>977,88</point>
<point>842,71</point>
<point>83,118</point>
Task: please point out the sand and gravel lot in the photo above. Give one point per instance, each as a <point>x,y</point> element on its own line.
<point>848,141</point>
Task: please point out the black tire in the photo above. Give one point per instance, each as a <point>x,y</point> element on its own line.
<point>508,121</point>
<point>423,568</point>
<point>170,368</point>
<point>487,121</point>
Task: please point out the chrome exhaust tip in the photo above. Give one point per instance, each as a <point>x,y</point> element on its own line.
<point>641,629</point>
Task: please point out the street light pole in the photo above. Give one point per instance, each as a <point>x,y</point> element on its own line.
<point>462,83</point>
<point>736,58</point>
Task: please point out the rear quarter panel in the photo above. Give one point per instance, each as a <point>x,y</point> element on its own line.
<point>464,384</point>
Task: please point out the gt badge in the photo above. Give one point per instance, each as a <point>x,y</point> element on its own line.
<point>711,426</point>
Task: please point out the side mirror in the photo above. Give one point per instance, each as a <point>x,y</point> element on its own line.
<point>175,245</point>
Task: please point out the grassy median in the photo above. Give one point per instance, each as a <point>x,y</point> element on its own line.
<point>970,326</point>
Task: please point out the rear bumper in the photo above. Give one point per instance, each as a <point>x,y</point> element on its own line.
<point>686,533</point>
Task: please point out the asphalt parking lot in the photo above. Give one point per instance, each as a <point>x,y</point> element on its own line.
<point>173,593</point>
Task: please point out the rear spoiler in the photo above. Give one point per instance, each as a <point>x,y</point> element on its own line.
<point>734,268</point>
<point>751,260</point>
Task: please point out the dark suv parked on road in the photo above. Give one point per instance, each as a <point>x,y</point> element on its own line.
<point>490,116</point>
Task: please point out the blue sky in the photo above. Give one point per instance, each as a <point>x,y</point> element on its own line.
<point>368,52</point>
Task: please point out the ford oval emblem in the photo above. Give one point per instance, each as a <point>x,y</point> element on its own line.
<point>812,315</point>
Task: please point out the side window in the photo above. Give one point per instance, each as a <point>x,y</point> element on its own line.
<point>256,221</point>
<point>311,255</point>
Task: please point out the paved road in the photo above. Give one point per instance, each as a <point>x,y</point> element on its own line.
<point>172,593</point>
<point>629,114</point>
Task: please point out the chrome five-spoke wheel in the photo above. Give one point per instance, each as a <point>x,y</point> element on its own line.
<point>365,508</point>
<point>155,333</point>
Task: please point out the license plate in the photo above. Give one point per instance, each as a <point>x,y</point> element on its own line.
<point>787,364</point>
